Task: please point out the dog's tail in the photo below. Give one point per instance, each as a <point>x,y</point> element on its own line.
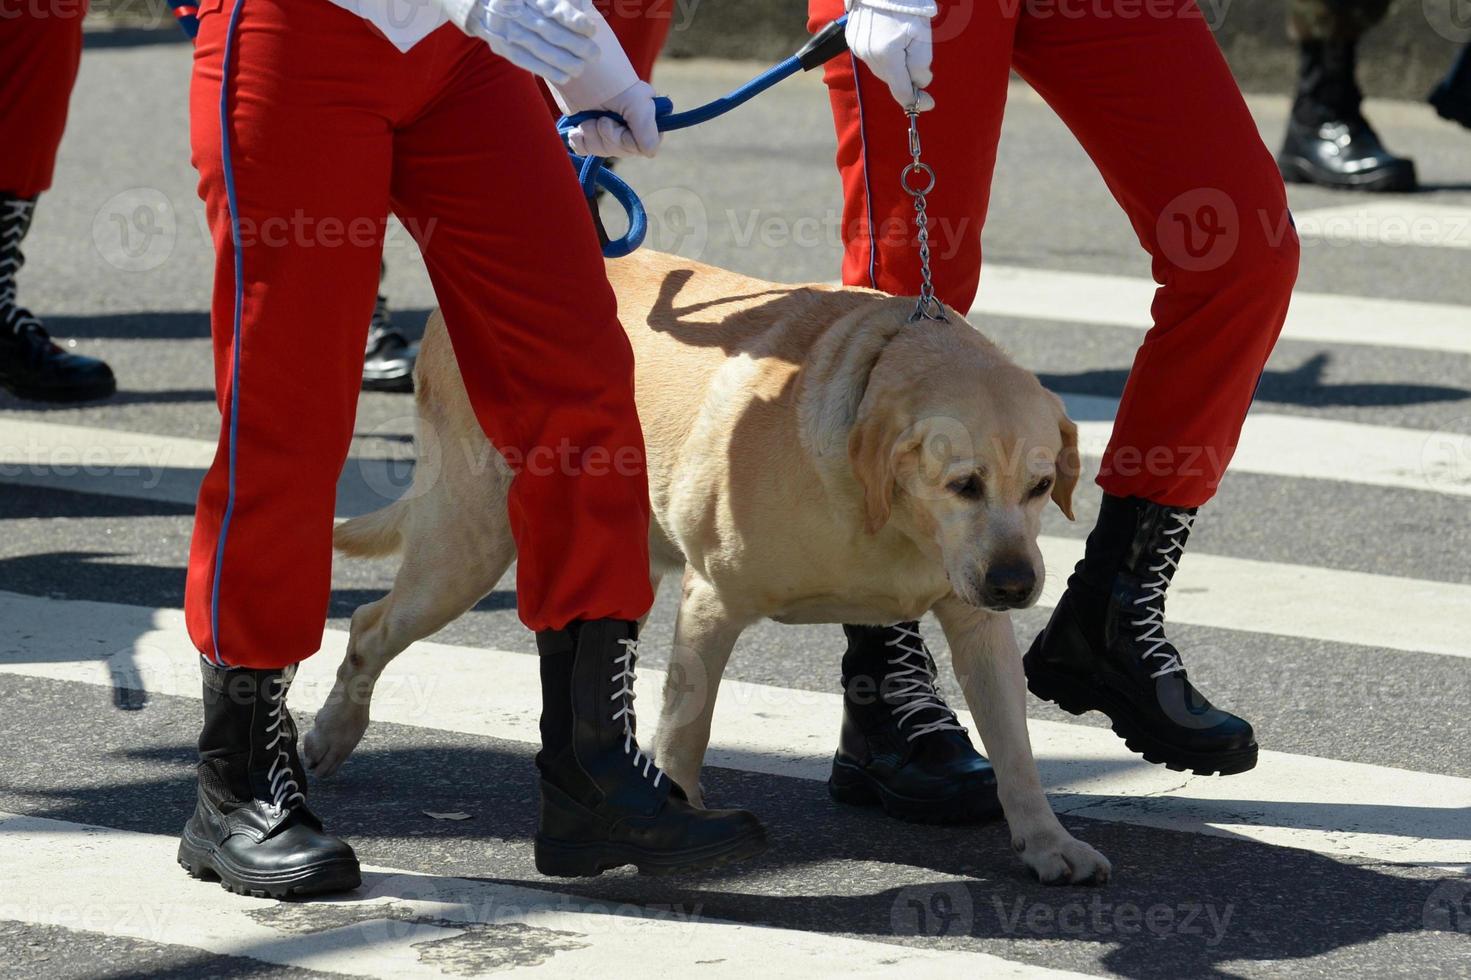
<point>372,535</point>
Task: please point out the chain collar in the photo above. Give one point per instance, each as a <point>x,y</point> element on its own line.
<point>918,179</point>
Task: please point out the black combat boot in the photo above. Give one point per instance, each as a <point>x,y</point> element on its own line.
<point>251,828</point>
<point>1452,97</point>
<point>901,745</point>
<point>388,363</point>
<point>1105,647</point>
<point>31,365</point>
<point>1328,140</point>
<point>604,803</point>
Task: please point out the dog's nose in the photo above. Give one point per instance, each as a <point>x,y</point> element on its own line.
<point>1009,584</point>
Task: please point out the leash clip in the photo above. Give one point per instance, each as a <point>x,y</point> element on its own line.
<point>927,306</point>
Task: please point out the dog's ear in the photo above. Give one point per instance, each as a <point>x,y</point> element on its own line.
<point>871,453</point>
<point>1069,463</point>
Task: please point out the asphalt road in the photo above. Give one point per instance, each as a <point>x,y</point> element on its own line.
<point>1283,881</point>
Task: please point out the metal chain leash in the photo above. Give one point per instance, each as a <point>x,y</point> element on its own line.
<point>928,307</point>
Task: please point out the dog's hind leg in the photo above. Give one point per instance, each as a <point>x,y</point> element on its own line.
<point>988,666</point>
<point>704,635</point>
<point>446,570</point>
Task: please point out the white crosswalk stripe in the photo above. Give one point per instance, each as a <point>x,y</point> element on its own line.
<point>406,924</point>
<point>1212,590</point>
<point>1330,866</point>
<point>1388,223</point>
<point>1340,808</point>
<point>115,462</point>
<point>1124,301</point>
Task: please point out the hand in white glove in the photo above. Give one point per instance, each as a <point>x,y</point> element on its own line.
<point>603,137</point>
<point>892,37</point>
<point>550,38</point>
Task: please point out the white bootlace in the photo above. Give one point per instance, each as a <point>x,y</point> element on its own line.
<point>626,663</point>
<point>285,792</point>
<point>12,315</point>
<point>917,692</point>
<point>1154,601</point>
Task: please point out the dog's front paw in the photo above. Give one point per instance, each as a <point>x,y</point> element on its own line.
<point>335,732</point>
<point>693,791</point>
<point>1058,858</point>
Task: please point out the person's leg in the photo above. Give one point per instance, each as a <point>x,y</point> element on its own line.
<point>1452,97</point>
<point>887,671</point>
<point>309,152</point>
<point>40,50</point>
<point>389,356</point>
<point>972,44</point>
<point>482,181</point>
<point>641,26</point>
<point>1329,142</point>
<point>1154,104</point>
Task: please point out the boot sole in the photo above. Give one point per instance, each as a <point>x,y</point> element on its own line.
<point>1295,170</point>
<point>397,384</point>
<point>62,395</point>
<point>854,786</point>
<point>204,861</point>
<point>572,859</point>
<point>1077,701</point>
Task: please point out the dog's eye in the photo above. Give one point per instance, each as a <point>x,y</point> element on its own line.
<point>968,486</point>
<point>1042,487</point>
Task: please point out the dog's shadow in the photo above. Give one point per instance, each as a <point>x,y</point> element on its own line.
<point>1181,904</point>
<point>741,331</point>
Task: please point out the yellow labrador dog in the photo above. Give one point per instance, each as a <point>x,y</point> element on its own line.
<point>813,458</point>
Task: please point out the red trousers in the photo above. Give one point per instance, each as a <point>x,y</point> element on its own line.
<point>330,128</point>
<point>1145,89</point>
<point>641,26</point>
<point>40,48</point>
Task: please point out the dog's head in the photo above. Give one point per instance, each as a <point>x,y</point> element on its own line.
<point>960,449</point>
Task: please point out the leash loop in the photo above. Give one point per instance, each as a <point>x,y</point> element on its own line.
<point>910,170</point>
<point>593,173</point>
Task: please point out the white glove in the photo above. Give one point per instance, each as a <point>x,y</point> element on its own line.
<point>550,38</point>
<point>892,37</point>
<point>609,83</point>
<point>605,138</point>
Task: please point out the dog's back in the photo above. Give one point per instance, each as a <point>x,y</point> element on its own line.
<point>717,359</point>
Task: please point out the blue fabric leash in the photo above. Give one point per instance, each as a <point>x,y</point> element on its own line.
<point>186,14</point>
<point>593,173</point>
